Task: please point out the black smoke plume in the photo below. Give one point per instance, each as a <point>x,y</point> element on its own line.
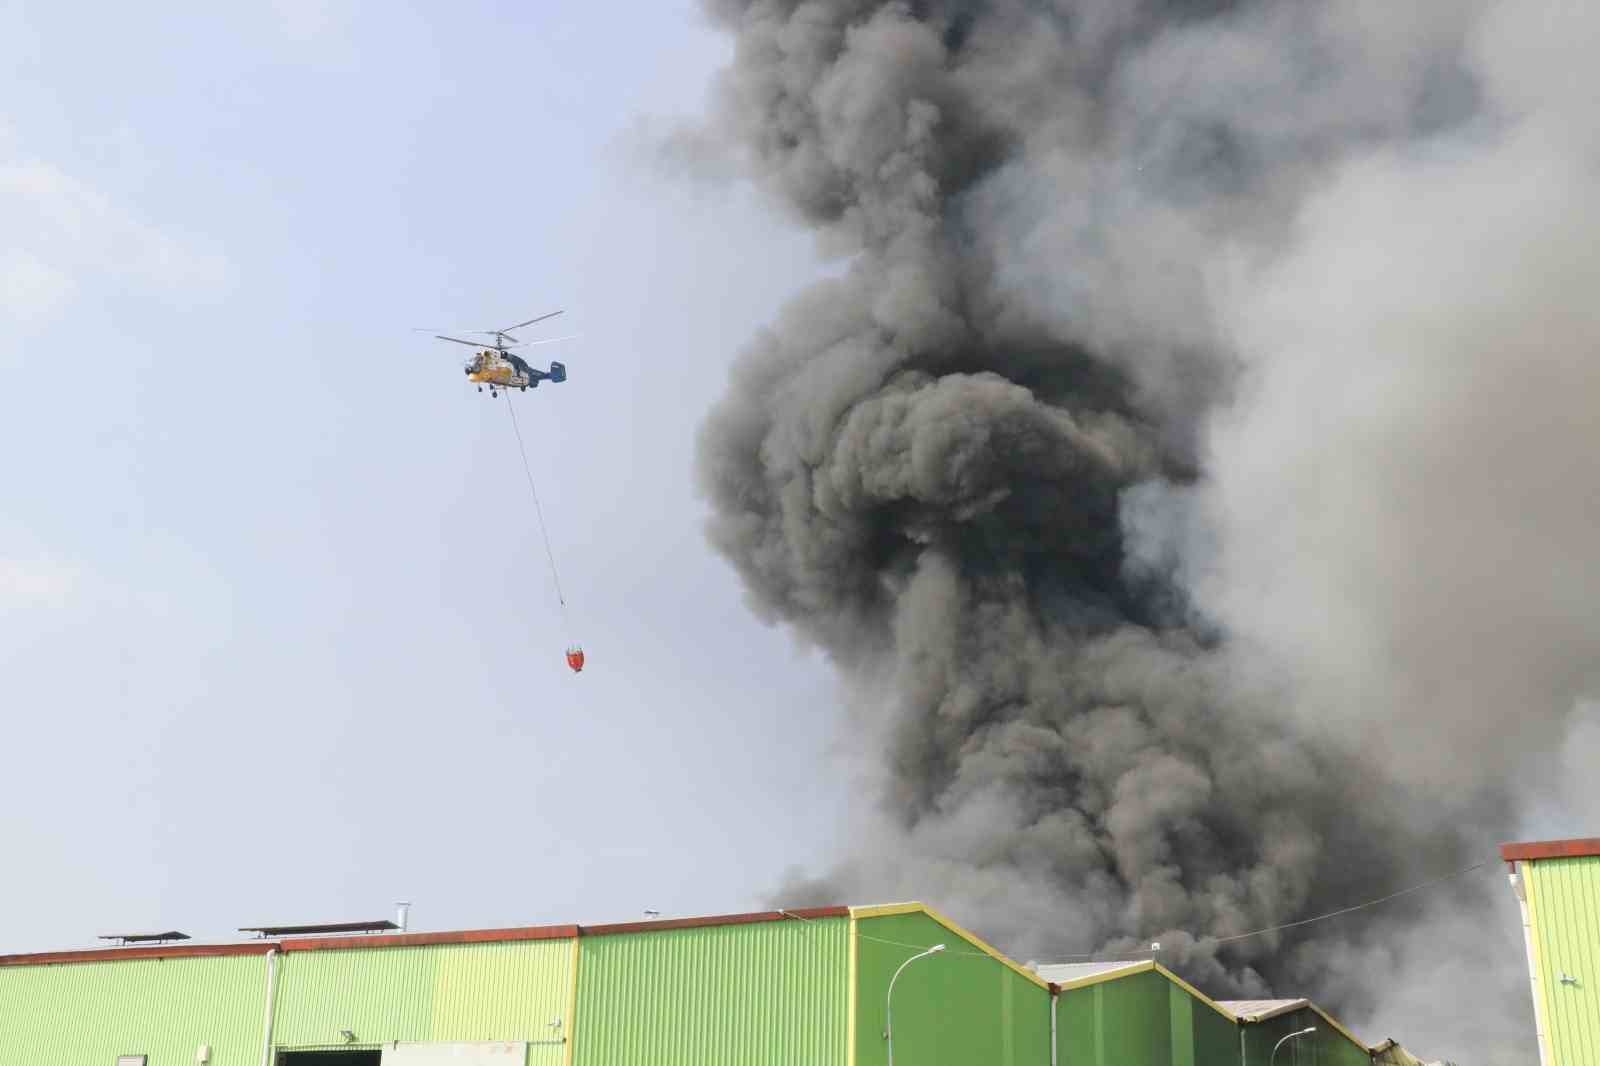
<point>1120,464</point>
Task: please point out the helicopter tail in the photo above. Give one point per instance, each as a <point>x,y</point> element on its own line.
<point>558,371</point>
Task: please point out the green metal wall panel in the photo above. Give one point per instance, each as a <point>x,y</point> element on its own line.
<point>88,1013</point>
<point>1181,1019</point>
<point>1142,1019</point>
<point>448,992</point>
<point>758,994</point>
<point>957,1008</point>
<point>1564,898</point>
<point>1216,1038</point>
<point>1326,1047</point>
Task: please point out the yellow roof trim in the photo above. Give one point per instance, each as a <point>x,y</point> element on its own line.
<point>1545,1006</point>
<point>1306,1004</point>
<point>1195,992</point>
<point>890,909</point>
<point>1109,975</point>
<point>1348,1035</point>
<point>1145,967</point>
<point>884,910</point>
<point>850,1002</point>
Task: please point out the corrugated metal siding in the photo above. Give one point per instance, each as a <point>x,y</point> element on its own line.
<point>1142,1018</point>
<point>1564,895</point>
<point>959,1007</point>
<point>1216,1039</point>
<point>761,994</point>
<point>465,992</point>
<point>1122,1020</point>
<point>88,1013</point>
<point>1326,1047</point>
<point>1181,1018</point>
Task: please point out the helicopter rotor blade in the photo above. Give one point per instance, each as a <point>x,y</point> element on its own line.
<point>458,340</point>
<point>530,322</point>
<point>551,340</point>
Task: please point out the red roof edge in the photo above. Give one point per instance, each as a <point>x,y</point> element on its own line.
<point>417,940</point>
<point>1576,848</point>
<point>805,914</point>
<point>175,951</point>
<point>403,940</point>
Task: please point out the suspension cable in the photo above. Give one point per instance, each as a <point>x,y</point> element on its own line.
<point>527,468</point>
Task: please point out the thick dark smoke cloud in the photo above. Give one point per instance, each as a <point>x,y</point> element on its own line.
<point>1190,464</point>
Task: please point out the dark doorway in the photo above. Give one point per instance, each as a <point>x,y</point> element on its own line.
<point>330,1058</point>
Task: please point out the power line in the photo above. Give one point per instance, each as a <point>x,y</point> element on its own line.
<point>1222,939</point>
<point>1357,907</point>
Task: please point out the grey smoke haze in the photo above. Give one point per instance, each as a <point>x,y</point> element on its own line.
<point>1193,464</point>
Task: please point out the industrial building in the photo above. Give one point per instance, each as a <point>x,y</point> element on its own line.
<point>847,986</point>
<point>1557,884</point>
<point>1140,1012</point>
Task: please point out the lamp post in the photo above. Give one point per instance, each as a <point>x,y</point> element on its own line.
<point>1285,1040</point>
<point>888,1008</point>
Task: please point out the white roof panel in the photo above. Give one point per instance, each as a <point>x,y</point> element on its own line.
<point>1256,1010</point>
<point>1062,972</point>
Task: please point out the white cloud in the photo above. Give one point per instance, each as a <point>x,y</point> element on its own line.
<point>61,229</point>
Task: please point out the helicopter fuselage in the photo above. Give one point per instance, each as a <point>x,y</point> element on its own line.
<point>500,371</point>
<point>489,369</point>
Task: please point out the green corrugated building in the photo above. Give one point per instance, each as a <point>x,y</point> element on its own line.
<point>1557,883</point>
<point>1118,1013</point>
<point>1303,1033</point>
<point>791,988</point>
<point>782,988</point>
<point>1111,1013</point>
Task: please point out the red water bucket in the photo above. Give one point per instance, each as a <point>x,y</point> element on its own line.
<point>575,659</point>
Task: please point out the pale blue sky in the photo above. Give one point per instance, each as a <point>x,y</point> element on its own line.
<point>277,641</point>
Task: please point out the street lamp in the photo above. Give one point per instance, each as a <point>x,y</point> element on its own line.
<point>888,1007</point>
<point>1285,1040</point>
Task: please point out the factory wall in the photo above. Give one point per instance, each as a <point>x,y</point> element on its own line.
<point>1146,1017</point>
<point>506,991</point>
<point>1564,908</point>
<point>772,993</point>
<point>1330,1045</point>
<point>777,989</point>
<point>966,1005</point>
<point>88,1013</point>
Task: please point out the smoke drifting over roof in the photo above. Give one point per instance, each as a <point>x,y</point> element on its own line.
<point>1192,463</point>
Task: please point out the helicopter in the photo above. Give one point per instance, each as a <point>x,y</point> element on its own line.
<point>498,368</point>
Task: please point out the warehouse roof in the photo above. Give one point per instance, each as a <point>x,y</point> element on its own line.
<point>1577,848</point>
<point>1259,1010</point>
<point>399,940</point>
<point>1057,976</point>
<point>1112,970</point>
